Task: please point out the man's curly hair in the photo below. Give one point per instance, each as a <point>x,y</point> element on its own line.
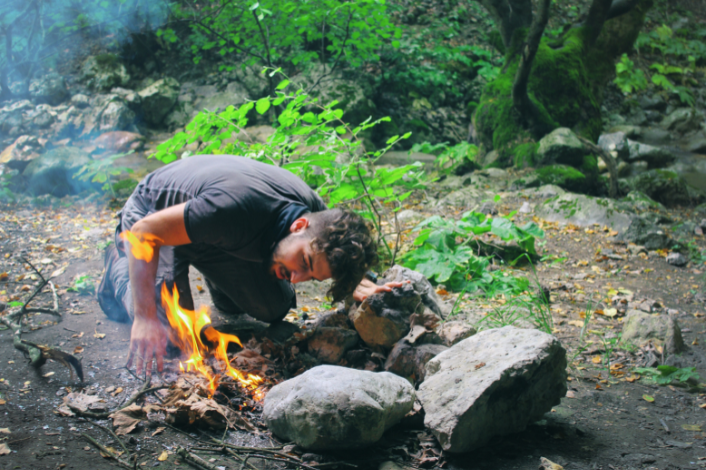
<point>350,249</point>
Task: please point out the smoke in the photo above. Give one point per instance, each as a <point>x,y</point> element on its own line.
<point>42,34</point>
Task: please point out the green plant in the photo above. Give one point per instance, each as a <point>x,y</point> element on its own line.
<point>312,141</point>
<point>83,285</point>
<point>447,251</point>
<point>104,171</point>
<point>628,78</point>
<point>450,159</point>
<point>666,375</point>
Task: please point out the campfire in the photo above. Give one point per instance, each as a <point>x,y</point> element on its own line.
<point>190,327</point>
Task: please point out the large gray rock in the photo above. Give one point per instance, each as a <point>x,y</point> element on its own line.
<point>52,173</point>
<point>615,142</point>
<point>103,72</point>
<point>158,99</point>
<point>491,384</point>
<point>584,211</point>
<point>696,143</point>
<point>682,120</point>
<point>50,89</point>
<point>663,186</point>
<point>640,327</point>
<point>408,360</point>
<point>455,331</point>
<point>656,157</point>
<point>645,233</point>
<point>330,407</point>
<point>234,95</point>
<point>115,116</point>
<point>561,146</point>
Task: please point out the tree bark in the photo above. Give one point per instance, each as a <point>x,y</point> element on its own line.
<point>597,16</point>
<point>523,104</point>
<point>509,15</point>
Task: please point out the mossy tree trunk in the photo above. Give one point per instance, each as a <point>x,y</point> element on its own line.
<point>549,83</point>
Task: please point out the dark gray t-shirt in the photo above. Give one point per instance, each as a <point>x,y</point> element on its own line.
<point>236,204</point>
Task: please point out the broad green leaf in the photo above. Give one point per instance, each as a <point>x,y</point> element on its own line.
<point>262,105</point>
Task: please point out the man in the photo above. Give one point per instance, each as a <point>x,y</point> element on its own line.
<point>251,229</point>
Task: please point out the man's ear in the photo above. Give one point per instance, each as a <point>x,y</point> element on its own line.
<point>299,225</point>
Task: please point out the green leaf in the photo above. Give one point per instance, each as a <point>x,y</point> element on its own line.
<point>254,6</point>
<point>262,105</point>
<point>282,85</point>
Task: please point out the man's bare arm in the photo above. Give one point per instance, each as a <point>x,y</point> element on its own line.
<point>148,338</point>
<point>367,288</point>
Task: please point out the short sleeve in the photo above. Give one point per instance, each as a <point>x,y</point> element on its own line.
<point>216,218</point>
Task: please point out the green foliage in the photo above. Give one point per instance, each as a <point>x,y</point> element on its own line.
<point>445,251</point>
<point>286,33</point>
<point>104,172</point>
<point>628,78</point>
<point>525,155</point>
<point>666,375</point>
<point>520,309</point>
<point>83,285</point>
<point>313,142</point>
<point>450,159</point>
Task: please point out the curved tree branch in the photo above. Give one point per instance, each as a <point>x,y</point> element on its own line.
<point>620,7</point>
<point>597,16</point>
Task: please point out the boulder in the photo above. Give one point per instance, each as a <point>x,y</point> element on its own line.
<point>21,152</point>
<point>333,337</point>
<point>14,119</point>
<point>682,120</point>
<point>546,191</point>
<point>652,103</point>
<point>696,143</point>
<point>330,407</point>
<point>632,132</point>
<point>663,186</point>
<point>615,142</point>
<point>116,115</point>
<point>234,95</point>
<point>584,211</point>
<point>561,146</point>
<point>421,286</point>
<point>158,99</point>
<point>80,101</point>
<point>492,384</point>
<point>452,332</point>
<point>564,176</point>
<point>52,173</point>
<point>645,233</point>
<point>104,72</point>
<point>408,360</point>
<point>655,157</point>
<point>640,327</point>
<point>50,89</point>
<point>642,202</point>
<point>465,199</point>
<point>119,141</point>
<point>383,319</point>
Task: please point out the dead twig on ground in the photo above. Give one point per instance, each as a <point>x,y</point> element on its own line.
<point>194,460</point>
<point>115,436</point>
<point>105,451</point>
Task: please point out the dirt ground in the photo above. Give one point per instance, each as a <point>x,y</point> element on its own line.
<point>604,422</point>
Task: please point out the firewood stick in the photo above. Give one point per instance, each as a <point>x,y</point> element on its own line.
<point>105,450</point>
<point>194,460</point>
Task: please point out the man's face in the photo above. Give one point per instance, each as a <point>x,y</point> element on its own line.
<point>295,260</point>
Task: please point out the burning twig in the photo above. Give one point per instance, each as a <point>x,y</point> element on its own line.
<point>106,451</point>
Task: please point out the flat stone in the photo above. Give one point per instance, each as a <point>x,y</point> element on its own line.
<point>333,337</point>
<point>331,407</point>
<point>656,157</point>
<point>561,146</point>
<point>492,384</point>
<point>408,360</point>
<point>421,286</point>
<point>677,259</point>
<point>452,332</point>
<point>584,211</point>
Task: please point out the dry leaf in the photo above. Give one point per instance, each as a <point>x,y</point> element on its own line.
<point>98,335</point>
<point>158,431</point>
<point>78,349</point>
<point>4,276</point>
<point>4,430</point>
<point>596,359</point>
<point>2,402</point>
<point>128,418</point>
<point>117,391</point>
<point>58,272</point>
<point>4,450</point>
<point>80,402</point>
<point>48,374</point>
<point>163,456</point>
<point>106,455</point>
<point>691,427</point>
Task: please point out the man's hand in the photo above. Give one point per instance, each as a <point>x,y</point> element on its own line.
<point>367,288</point>
<point>148,340</point>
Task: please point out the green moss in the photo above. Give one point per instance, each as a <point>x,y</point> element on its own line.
<point>525,155</point>
<point>563,176</point>
<point>590,165</point>
<point>559,86</point>
<point>108,61</point>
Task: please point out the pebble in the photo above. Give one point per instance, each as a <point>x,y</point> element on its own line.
<point>677,259</point>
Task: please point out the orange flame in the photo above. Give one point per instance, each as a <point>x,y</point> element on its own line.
<point>185,333</point>
<point>142,247</point>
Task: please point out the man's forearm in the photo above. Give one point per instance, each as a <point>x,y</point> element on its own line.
<point>142,282</point>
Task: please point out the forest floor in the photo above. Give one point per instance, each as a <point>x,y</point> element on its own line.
<point>605,421</point>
